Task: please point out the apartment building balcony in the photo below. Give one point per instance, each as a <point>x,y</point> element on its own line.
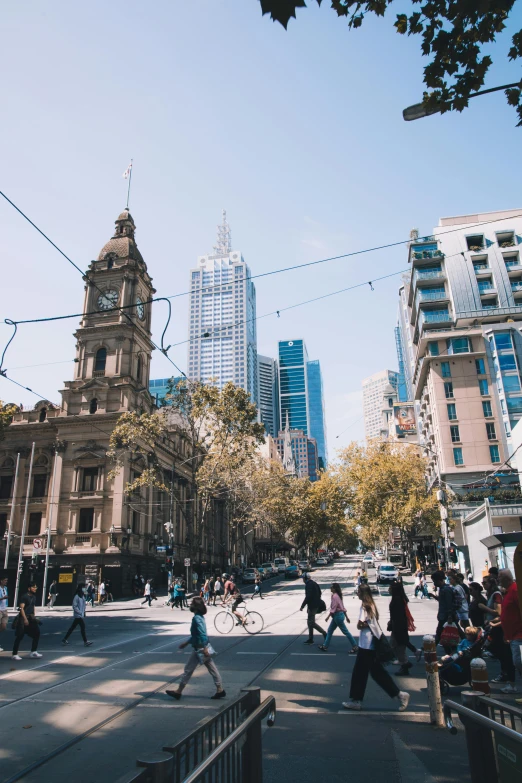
<point>431,296</point>
<point>435,318</point>
<point>487,289</point>
<point>427,255</point>
<point>516,286</point>
<point>426,276</point>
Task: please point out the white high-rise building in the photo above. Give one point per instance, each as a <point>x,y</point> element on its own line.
<point>268,395</point>
<point>222,325</point>
<point>373,393</point>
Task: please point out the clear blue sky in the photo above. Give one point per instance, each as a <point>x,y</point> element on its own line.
<point>298,134</point>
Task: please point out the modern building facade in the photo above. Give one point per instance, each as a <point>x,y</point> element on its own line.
<point>268,393</point>
<point>465,322</point>
<point>159,388</point>
<point>301,393</point>
<point>373,394</point>
<point>222,319</point>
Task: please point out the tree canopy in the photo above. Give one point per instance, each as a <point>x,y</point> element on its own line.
<point>454,34</point>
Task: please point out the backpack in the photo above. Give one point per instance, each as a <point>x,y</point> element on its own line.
<point>458,598</point>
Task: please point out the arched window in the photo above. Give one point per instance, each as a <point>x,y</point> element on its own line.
<point>139,367</point>
<point>110,263</point>
<point>101,359</point>
<point>390,402</point>
<point>43,414</point>
<point>93,406</point>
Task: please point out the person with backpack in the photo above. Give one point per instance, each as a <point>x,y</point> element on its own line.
<point>314,604</point>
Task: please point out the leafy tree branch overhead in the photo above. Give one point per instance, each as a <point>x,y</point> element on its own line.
<point>454,34</point>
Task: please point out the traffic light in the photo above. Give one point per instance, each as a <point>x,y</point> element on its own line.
<point>453,554</point>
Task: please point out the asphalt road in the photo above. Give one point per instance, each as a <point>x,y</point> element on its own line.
<point>77,706</point>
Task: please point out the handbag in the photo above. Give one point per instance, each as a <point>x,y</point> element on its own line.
<point>201,655</point>
<point>450,635</point>
<point>411,623</point>
<point>321,607</point>
<point>383,648</point>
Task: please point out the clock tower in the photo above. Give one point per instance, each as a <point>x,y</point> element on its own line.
<point>113,346</point>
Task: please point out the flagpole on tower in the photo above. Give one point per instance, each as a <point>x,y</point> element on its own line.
<point>127,174</point>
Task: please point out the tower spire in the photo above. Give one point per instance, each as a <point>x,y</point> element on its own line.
<point>288,455</point>
<point>224,237</point>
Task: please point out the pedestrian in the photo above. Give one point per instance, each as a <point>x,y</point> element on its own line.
<point>314,604</point>
<point>3,605</point>
<point>148,596</point>
<point>398,625</point>
<point>212,592</point>
<point>201,652</point>
<point>478,600</point>
<point>511,621</point>
<point>53,594</point>
<point>339,618</point>
<point>460,603</point>
<point>257,587</point>
<point>206,590</point>
<point>218,589</point>
<point>78,606</point>
<point>91,593</point>
<point>108,590</point>
<point>445,612</point>
<point>232,592</point>
<point>102,593</point>
<point>26,623</point>
<point>367,662</point>
<point>183,593</point>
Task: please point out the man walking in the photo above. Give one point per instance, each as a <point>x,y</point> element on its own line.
<point>3,606</point>
<point>53,594</point>
<point>312,601</point>
<point>446,610</point>
<point>78,606</point>
<point>102,593</point>
<point>26,623</point>
<point>148,596</point>
<point>257,587</point>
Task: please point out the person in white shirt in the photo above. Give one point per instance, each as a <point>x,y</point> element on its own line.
<point>3,606</point>
<point>366,662</point>
<point>102,592</point>
<point>148,596</point>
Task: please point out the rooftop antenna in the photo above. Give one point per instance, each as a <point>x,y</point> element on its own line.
<point>224,237</point>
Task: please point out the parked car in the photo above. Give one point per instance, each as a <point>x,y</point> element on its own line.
<point>368,560</point>
<point>270,567</point>
<point>386,572</point>
<point>249,576</point>
<point>304,565</point>
<point>321,561</point>
<point>281,564</point>
<point>379,555</point>
<point>292,572</point>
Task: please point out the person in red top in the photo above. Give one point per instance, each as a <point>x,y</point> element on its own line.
<point>511,616</point>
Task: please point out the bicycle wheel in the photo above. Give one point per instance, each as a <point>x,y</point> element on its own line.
<point>254,622</point>
<point>223,622</point>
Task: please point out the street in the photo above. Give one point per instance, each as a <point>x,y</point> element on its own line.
<point>76,705</point>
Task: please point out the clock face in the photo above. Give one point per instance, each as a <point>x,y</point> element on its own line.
<point>140,308</point>
<point>108,299</point>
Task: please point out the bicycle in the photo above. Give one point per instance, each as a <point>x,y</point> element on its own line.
<point>252,621</point>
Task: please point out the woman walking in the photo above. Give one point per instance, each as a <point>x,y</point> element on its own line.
<point>398,625</point>
<point>206,591</point>
<point>78,606</point>
<point>201,652</point>
<point>476,612</point>
<point>339,619</point>
<point>366,662</point>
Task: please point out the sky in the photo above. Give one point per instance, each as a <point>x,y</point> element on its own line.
<point>298,134</point>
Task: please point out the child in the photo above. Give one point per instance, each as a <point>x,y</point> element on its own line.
<point>201,652</point>
<point>472,634</point>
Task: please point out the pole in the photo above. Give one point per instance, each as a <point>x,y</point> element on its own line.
<point>46,572</point>
<point>432,678</point>
<point>130,179</point>
<point>9,529</point>
<point>24,525</point>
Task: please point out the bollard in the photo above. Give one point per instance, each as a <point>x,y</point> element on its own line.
<point>159,765</point>
<point>480,676</point>
<point>432,679</point>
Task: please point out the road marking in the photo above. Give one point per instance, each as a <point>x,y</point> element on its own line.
<point>299,709</point>
<point>389,713</point>
<point>320,656</point>
<point>258,652</point>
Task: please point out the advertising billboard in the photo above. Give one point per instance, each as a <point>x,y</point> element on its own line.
<point>404,416</point>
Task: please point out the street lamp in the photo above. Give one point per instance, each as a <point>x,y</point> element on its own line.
<point>419,110</point>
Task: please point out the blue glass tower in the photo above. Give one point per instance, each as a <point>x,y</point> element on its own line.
<point>316,410</point>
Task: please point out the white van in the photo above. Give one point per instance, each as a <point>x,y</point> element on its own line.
<point>281,563</point>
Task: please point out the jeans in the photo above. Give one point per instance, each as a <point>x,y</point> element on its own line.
<point>366,663</point>
<point>32,630</point>
<point>52,600</point>
<point>77,621</point>
<point>516,652</point>
<point>338,621</point>
<point>190,667</point>
<point>312,624</point>
<point>147,598</point>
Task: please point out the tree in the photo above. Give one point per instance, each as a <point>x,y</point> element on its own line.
<point>6,416</point>
<point>454,34</point>
<point>384,486</point>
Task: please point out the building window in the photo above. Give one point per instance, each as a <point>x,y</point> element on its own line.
<point>35,523</point>
<point>503,341</point>
<point>39,484</point>
<point>486,407</point>
<point>433,349</point>
<point>494,453</point>
<point>481,367</point>
<point>138,368</point>
<point>446,369</point>
<point>448,390</point>
<point>507,361</point>
<point>458,345</point>
<point>3,524</point>
<point>86,522</point>
<point>483,386</point>
<point>452,411</point>
<point>6,486</point>
<point>135,522</point>
<point>511,383</point>
<point>43,415</point>
<point>490,429</point>
<point>89,479</point>
<point>455,434</point>
<point>101,359</point>
<point>93,405</point>
<point>458,457</point>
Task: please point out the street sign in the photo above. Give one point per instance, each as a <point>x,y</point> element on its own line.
<point>65,578</point>
<point>161,549</point>
<point>37,543</point>
<point>187,562</point>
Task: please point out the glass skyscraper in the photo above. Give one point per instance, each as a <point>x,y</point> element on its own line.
<point>301,394</point>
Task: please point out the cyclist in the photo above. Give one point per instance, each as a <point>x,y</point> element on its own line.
<point>233,591</point>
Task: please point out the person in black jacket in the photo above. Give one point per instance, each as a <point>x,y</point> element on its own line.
<point>313,602</point>
<point>398,625</point>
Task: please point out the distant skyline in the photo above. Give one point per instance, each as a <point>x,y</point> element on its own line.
<point>298,134</point>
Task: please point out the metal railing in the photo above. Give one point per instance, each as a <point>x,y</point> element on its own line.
<point>494,749</point>
<point>225,748</point>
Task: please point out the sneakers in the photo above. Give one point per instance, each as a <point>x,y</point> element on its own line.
<point>16,658</point>
<point>509,689</point>
<point>36,655</point>
<point>87,644</point>
<point>404,700</point>
<point>500,678</point>
<point>175,694</point>
<point>219,695</point>
<point>352,705</point>
<point>64,641</point>
<point>323,648</point>
<point>308,641</point>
